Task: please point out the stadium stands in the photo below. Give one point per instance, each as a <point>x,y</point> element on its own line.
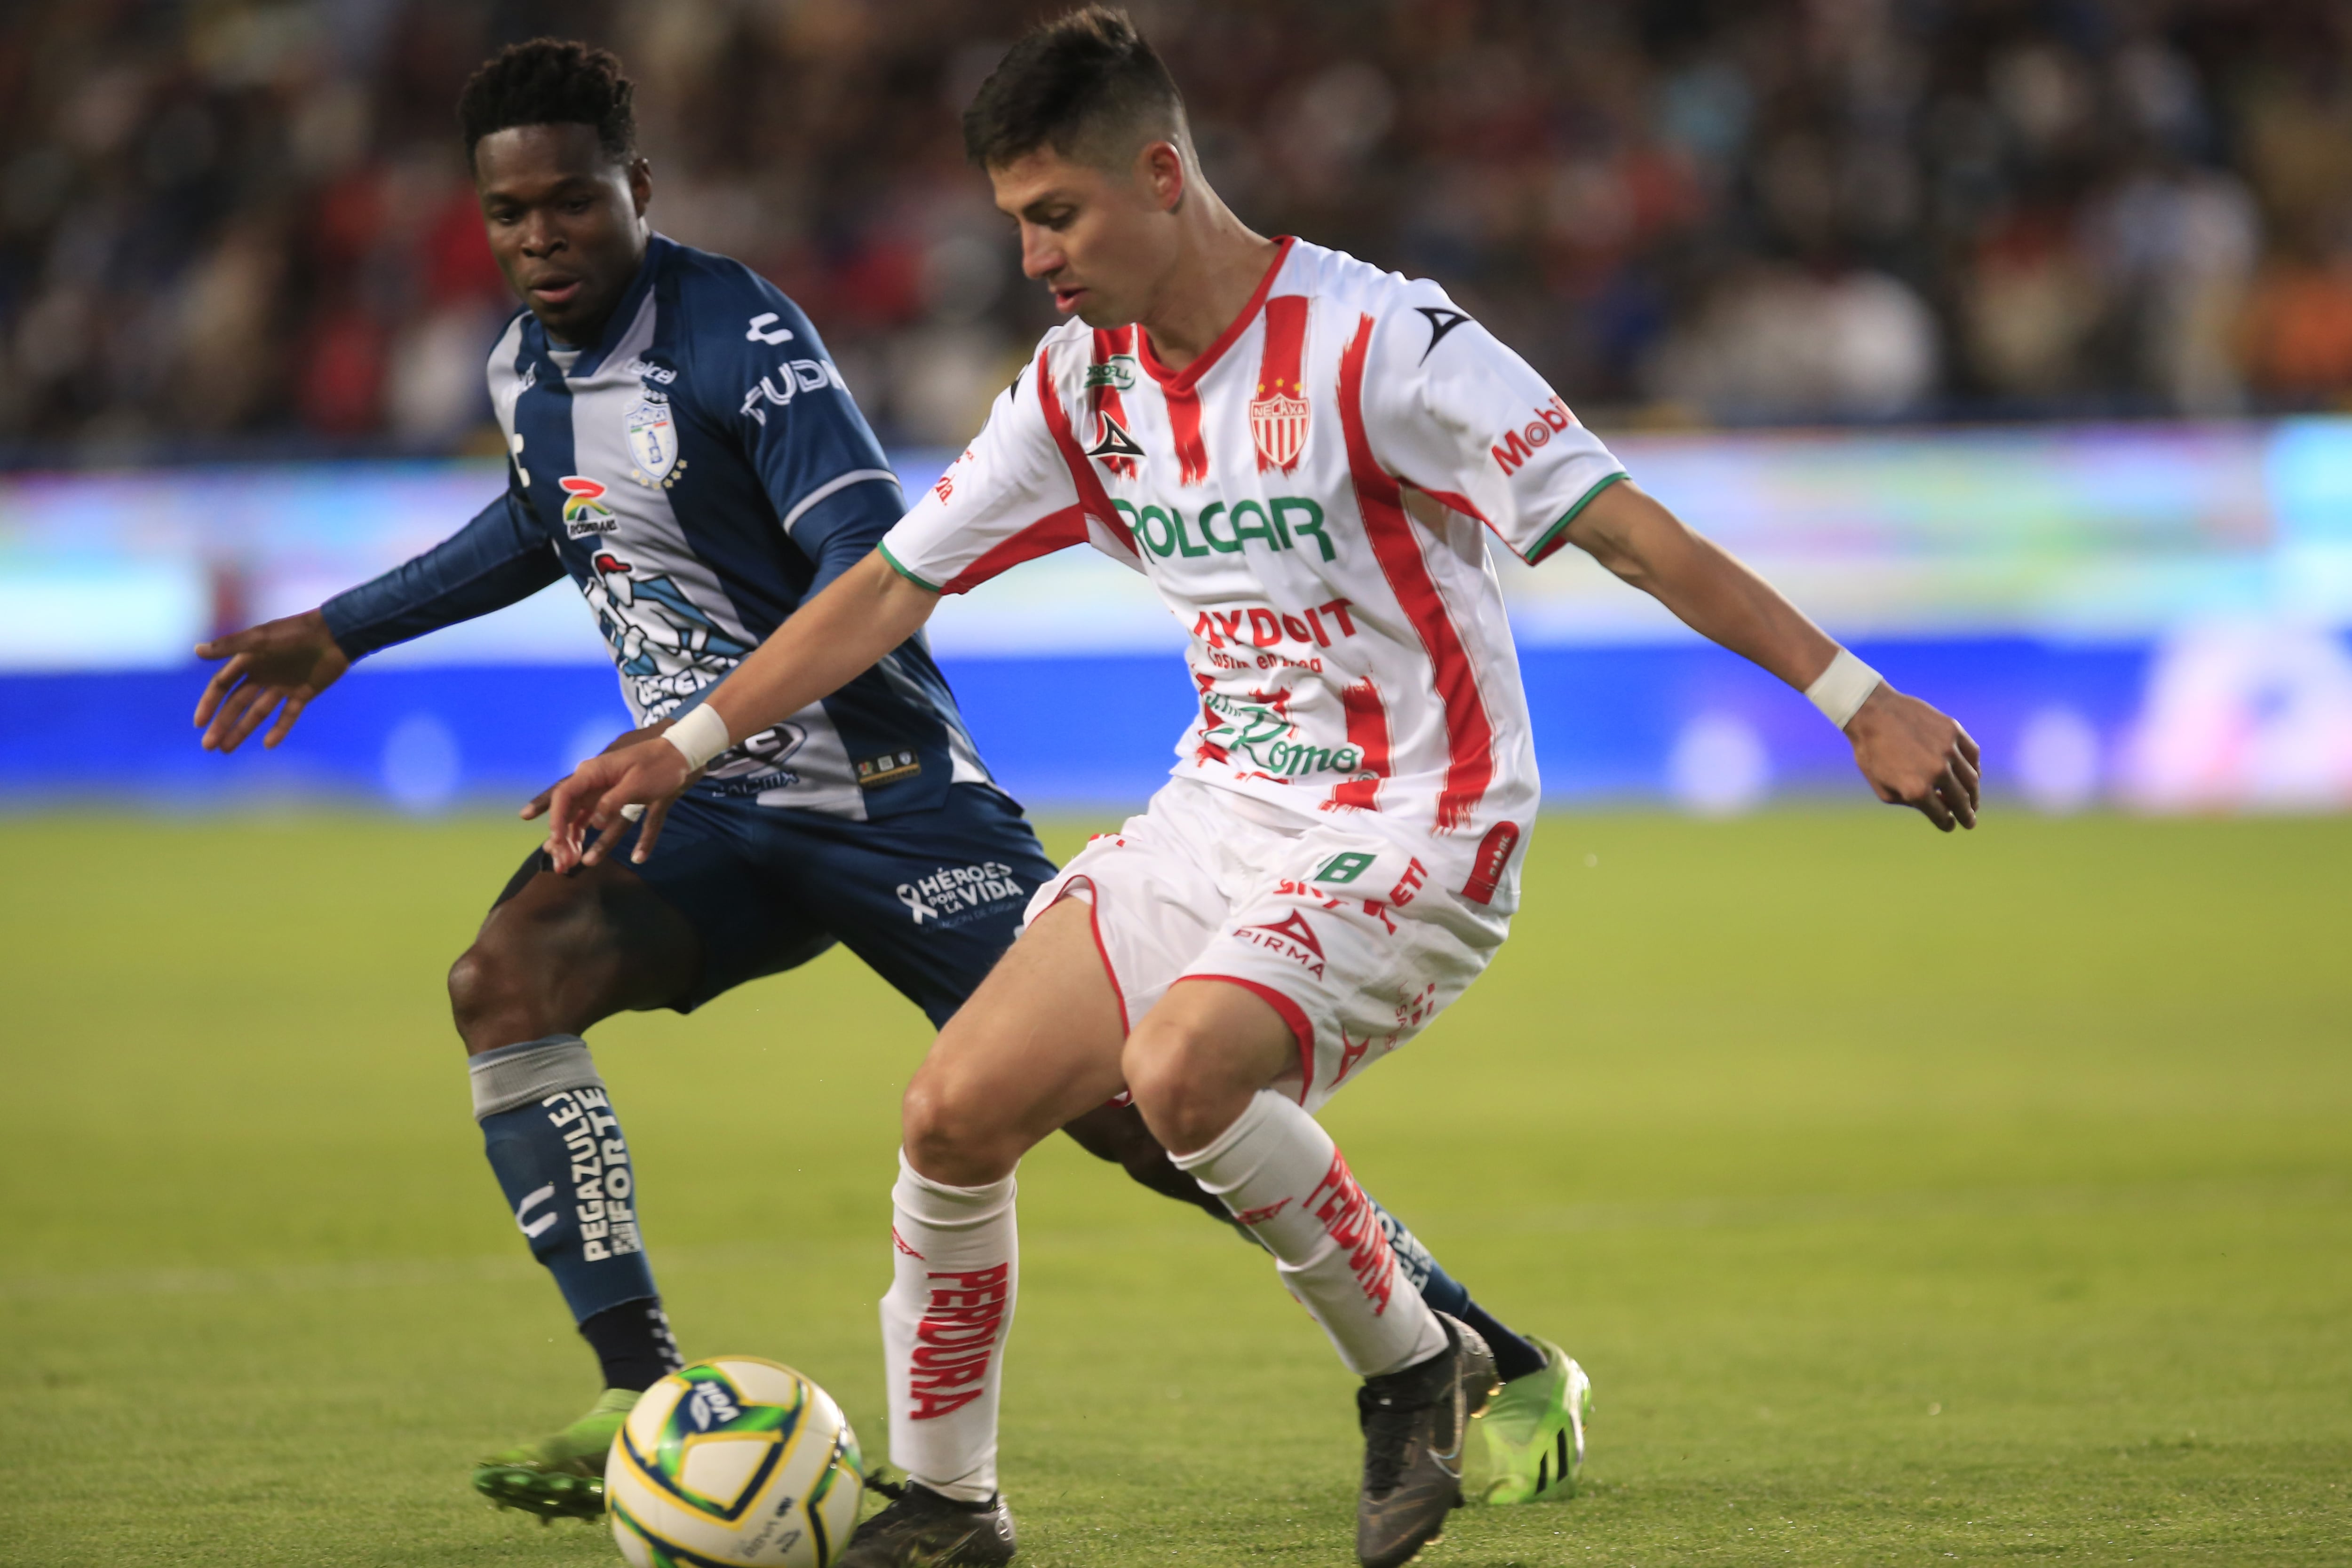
<point>244,228</point>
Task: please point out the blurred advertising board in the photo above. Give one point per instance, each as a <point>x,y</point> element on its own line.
<point>2152,615</point>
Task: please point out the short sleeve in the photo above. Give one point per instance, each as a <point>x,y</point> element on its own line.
<point>1020,490</point>
<point>1453,413</point>
<point>765,376</point>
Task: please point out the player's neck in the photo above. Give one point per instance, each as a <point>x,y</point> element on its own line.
<point>1222,263</point>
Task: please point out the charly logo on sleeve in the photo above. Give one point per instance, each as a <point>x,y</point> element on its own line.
<point>957,895</point>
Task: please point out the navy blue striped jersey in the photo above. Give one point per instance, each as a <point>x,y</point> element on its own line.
<point>698,472</point>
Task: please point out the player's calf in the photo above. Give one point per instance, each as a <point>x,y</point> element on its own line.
<point>557,1148</point>
<point>556,1145</point>
<point>556,954</point>
<point>1115,1133</point>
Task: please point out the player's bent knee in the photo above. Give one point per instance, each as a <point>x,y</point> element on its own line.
<point>951,1137</point>
<point>1188,1088</point>
<point>491,995</point>
<point>472,984</point>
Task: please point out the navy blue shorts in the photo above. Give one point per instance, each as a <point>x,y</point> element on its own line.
<point>930,900</point>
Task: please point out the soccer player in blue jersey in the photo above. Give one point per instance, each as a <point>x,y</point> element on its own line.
<point>682,447</point>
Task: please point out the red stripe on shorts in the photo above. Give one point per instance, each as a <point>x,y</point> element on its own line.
<point>1093,924</point>
<point>1292,1014</point>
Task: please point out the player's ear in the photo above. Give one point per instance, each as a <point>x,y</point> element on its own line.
<point>641,185</point>
<point>1159,169</point>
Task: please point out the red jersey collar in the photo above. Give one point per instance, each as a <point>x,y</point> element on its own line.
<point>1183,381</point>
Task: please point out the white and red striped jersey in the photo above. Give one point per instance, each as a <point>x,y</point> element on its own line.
<point>1310,498</point>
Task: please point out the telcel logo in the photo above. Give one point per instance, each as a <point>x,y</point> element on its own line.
<point>1279,523</point>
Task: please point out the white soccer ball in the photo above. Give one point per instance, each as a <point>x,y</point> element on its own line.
<point>734,1460</point>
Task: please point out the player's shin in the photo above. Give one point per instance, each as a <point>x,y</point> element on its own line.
<point>1513,1356</point>
<point>552,1138</point>
<point>1283,1176</point>
<point>956,1256</point>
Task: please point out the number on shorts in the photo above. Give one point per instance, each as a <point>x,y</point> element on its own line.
<point>1345,867</point>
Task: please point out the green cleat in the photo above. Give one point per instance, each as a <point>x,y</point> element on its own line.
<point>561,1475</point>
<point>1529,1445</point>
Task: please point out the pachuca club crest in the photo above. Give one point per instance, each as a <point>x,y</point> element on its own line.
<point>652,438</point>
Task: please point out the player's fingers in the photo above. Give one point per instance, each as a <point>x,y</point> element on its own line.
<point>254,714</point>
<point>602,822</point>
<point>562,832</point>
<point>222,733</point>
<point>1956,799</point>
<point>285,725</point>
<point>223,679</point>
<point>611,820</point>
<point>1968,745</point>
<point>551,802</point>
<point>1972,780</point>
<point>649,830</point>
<point>563,842</point>
<point>1931,805</point>
<point>558,853</point>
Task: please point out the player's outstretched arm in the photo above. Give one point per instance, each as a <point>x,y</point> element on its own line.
<point>823,646</point>
<point>1911,754</point>
<point>497,559</point>
<point>275,667</point>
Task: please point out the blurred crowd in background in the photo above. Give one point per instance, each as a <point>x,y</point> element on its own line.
<point>238,228</point>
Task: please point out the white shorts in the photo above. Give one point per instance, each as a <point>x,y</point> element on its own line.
<point>1354,929</point>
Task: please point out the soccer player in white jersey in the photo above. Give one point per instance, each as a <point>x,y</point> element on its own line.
<point>1306,455</point>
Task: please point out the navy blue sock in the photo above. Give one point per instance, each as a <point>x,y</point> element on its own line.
<point>557,1148</point>
<point>632,1344</point>
<point>1513,1356</point>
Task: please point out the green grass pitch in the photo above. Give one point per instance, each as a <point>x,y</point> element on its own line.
<point>1910,1199</point>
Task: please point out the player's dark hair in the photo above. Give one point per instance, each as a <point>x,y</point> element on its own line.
<point>552,81</point>
<point>1085,85</point>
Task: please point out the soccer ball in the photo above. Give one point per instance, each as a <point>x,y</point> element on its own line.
<point>734,1461</point>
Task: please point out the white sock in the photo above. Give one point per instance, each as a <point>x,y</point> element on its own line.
<point>957,1266</point>
<point>1281,1174</point>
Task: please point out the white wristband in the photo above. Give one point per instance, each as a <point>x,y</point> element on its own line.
<point>699,736</point>
<point>1843,688</point>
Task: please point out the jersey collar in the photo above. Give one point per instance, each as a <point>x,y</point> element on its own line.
<point>625,314</point>
<point>1183,381</point>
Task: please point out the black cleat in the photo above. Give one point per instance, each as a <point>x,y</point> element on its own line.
<point>1415,1422</point>
<point>924,1529</point>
